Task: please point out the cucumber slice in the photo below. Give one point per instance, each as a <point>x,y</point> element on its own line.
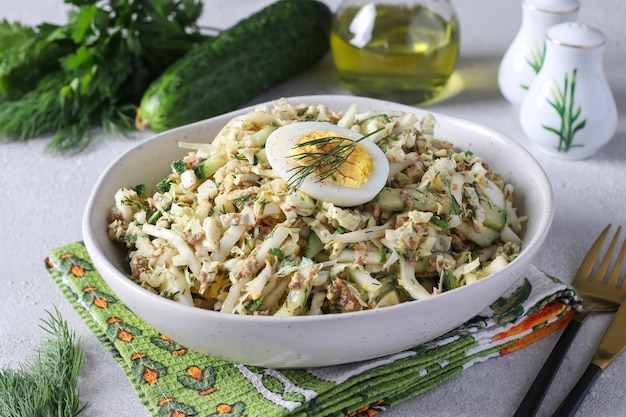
<point>209,166</point>
<point>313,246</point>
<point>179,166</point>
<point>495,216</point>
<point>397,199</point>
<point>485,238</point>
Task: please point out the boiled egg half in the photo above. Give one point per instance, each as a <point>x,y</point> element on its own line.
<point>356,180</point>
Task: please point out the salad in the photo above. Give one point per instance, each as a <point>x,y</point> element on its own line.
<point>225,231</point>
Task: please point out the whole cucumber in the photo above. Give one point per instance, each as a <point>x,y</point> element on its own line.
<point>281,40</point>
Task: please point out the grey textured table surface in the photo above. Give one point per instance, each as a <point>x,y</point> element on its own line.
<point>42,209</point>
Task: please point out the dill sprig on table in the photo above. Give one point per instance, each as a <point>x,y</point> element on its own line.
<point>332,152</point>
<point>46,385</point>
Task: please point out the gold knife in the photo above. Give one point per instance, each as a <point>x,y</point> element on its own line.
<point>612,344</point>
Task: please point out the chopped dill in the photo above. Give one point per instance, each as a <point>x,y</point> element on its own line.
<point>129,239</point>
<point>239,157</point>
<point>129,202</point>
<point>240,202</point>
<point>438,221</point>
<point>277,253</point>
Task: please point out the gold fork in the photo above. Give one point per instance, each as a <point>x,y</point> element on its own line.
<point>598,295</point>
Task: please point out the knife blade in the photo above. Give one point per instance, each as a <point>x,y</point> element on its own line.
<point>612,345</point>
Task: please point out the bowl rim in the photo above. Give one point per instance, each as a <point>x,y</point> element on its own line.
<point>99,258</point>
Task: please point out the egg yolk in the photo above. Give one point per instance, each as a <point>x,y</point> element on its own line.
<point>353,173</point>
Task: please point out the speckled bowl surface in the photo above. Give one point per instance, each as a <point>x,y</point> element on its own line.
<point>312,341</point>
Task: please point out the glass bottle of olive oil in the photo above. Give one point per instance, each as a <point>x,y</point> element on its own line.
<point>395,50</point>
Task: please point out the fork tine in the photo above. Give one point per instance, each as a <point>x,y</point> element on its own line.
<point>590,259</point>
<point>604,264</point>
<point>617,267</point>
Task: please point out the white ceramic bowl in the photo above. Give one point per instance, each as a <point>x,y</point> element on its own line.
<point>309,341</point>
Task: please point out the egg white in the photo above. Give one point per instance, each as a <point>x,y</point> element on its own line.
<point>279,146</point>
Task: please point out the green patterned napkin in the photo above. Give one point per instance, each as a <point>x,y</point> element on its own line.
<point>172,380</point>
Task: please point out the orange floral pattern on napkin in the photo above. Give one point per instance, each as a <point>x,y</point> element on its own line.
<point>172,380</point>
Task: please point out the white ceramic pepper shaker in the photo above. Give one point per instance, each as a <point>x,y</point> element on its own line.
<point>569,111</point>
<point>524,57</point>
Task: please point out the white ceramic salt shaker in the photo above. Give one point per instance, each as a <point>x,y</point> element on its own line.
<point>523,59</point>
<point>569,111</point>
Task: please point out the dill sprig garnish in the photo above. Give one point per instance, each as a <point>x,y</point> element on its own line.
<point>46,386</point>
<point>330,154</point>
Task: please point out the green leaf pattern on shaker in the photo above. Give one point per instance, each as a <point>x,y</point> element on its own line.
<point>535,59</point>
<point>563,101</point>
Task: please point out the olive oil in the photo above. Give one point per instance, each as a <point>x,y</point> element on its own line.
<point>394,52</point>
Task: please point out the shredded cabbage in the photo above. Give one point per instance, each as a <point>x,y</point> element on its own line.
<point>228,234</point>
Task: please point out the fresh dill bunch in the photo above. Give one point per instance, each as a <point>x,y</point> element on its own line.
<point>330,154</point>
<point>92,71</point>
<point>46,385</point>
